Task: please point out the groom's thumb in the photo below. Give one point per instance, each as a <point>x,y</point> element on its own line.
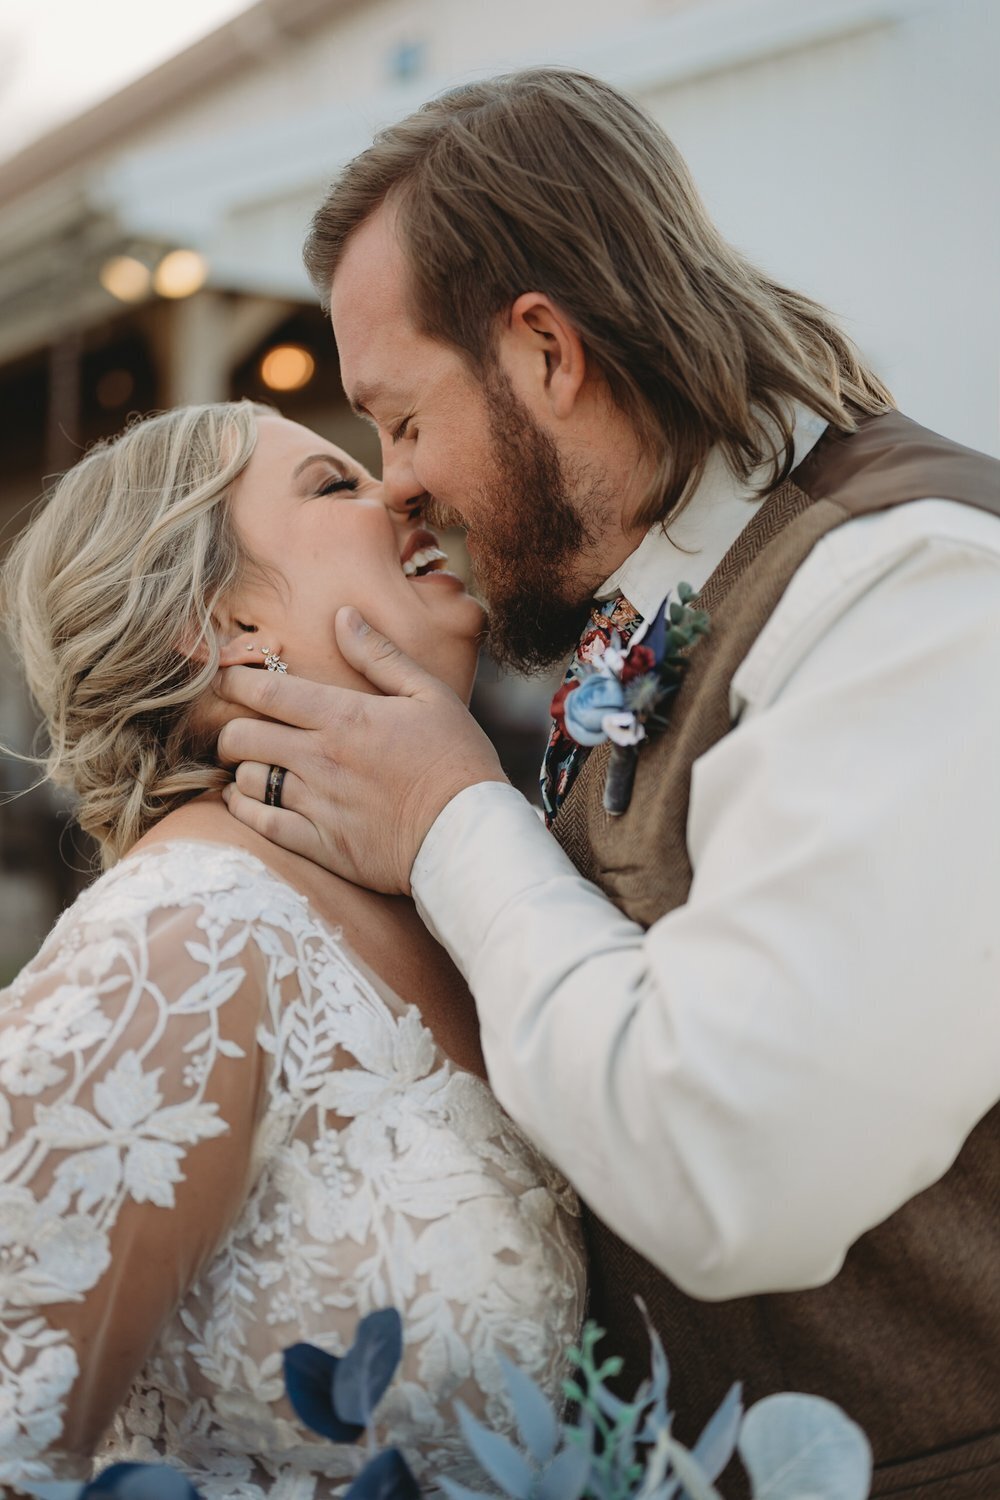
<point>376,657</point>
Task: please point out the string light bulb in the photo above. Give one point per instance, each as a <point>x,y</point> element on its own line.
<point>126,278</point>
<point>287,367</point>
<point>180,273</point>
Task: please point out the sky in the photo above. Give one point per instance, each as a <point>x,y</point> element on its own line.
<point>59,56</point>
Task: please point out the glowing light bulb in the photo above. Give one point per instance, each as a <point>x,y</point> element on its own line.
<point>287,367</point>
<point>125,277</point>
<point>181,273</point>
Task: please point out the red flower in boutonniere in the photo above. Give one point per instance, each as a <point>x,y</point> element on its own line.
<point>637,663</point>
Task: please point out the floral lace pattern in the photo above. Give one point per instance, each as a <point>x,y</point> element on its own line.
<point>218,1137</point>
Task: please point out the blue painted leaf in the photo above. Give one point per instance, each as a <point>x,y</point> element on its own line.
<point>309,1376</point>
<point>715,1447</point>
<point>697,1485</point>
<point>461,1492</point>
<point>108,1480</point>
<point>387,1477</point>
<point>362,1376</point>
<point>654,1486</point>
<point>499,1458</point>
<point>613,1406</point>
<point>654,1390</point>
<point>141,1482</point>
<point>566,1476</point>
<point>156,1482</point>
<point>795,1445</point>
<point>536,1421</point>
<point>659,1365</point>
<point>628,1429</point>
<point>658,1419</point>
<point>53,1489</point>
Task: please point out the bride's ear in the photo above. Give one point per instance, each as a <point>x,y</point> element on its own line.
<point>238,651</point>
<point>241,650</point>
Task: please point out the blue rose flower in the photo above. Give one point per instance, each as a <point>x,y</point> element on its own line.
<point>585,707</point>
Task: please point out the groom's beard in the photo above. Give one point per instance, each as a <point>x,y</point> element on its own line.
<point>527,537</point>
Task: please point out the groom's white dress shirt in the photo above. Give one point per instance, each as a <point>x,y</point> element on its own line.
<point>775,1067</point>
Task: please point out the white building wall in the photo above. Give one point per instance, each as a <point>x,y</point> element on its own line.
<point>865,172</point>
<point>851,147</point>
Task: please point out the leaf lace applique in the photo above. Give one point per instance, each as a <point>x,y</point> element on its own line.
<point>190,996</point>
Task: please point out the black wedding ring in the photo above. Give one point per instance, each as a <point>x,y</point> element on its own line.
<point>275,781</point>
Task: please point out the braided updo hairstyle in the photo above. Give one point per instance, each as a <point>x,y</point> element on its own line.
<point>109,596</point>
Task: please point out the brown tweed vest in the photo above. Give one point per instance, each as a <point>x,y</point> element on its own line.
<point>907,1337</point>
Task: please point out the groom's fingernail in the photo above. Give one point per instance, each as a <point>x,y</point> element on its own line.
<point>355,622</point>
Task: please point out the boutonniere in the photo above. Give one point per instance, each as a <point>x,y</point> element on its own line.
<point>621,691</point>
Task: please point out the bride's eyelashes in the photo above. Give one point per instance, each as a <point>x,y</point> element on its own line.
<point>336,486</point>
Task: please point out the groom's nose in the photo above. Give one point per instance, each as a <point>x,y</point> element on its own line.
<point>401,490</point>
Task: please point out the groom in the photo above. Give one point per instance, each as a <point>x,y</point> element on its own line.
<point>755,1017</point>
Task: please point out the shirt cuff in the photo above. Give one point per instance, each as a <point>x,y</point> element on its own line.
<point>485,848</point>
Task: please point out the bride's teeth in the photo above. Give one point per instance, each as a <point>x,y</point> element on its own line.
<point>420,559</point>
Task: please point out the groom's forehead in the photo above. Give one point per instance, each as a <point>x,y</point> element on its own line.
<point>370,280</point>
<point>385,359</point>
<point>379,357</point>
<point>368,310</point>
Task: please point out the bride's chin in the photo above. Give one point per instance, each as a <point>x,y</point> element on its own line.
<point>478,621</point>
<point>457,668</point>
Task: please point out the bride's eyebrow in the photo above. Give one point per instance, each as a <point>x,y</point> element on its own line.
<point>323,458</point>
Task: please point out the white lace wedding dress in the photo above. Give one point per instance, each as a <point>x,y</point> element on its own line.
<point>218,1137</point>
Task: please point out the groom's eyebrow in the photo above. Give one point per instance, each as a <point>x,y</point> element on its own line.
<point>364,398</point>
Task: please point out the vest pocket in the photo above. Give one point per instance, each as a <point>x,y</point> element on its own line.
<point>963,1471</point>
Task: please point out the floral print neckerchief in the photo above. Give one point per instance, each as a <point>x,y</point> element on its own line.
<point>563,756</point>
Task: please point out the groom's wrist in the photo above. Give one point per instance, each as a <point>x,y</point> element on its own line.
<point>451,853</point>
<point>487,849</point>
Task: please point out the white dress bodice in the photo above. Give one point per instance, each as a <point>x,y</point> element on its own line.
<point>220,1136</point>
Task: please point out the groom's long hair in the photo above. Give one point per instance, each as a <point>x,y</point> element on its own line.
<point>551,181</point>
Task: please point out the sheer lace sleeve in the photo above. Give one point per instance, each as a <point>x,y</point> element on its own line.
<point>130,1086</point>
<point>218,1136</point>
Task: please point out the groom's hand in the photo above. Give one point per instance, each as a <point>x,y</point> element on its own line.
<point>366,776</point>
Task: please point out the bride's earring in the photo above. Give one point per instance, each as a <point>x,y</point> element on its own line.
<point>272,661</point>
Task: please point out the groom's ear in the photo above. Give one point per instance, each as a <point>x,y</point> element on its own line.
<point>543,355</point>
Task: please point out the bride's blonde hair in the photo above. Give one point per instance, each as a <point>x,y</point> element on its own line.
<point>109,596</point>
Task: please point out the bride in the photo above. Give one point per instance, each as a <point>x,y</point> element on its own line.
<point>243,1102</point>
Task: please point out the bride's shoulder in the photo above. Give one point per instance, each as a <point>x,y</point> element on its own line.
<point>230,846</point>
<point>370,926</point>
<point>199,853</point>
<point>183,880</point>
<point>182,872</point>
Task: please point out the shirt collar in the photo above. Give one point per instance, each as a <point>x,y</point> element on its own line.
<point>703,533</point>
